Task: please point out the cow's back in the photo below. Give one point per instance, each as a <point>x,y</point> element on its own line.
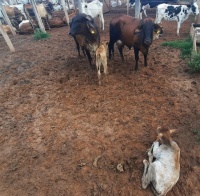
<point>123,27</point>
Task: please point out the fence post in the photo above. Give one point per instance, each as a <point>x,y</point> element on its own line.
<point>38,16</point>
<point>7,19</point>
<point>7,39</point>
<point>137,8</point>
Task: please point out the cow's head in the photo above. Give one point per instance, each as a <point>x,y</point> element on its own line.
<point>164,134</point>
<point>94,34</point>
<point>195,8</point>
<point>146,27</point>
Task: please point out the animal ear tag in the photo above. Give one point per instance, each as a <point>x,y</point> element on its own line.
<point>92,31</point>
<point>91,28</point>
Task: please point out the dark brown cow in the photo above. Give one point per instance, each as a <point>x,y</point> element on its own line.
<point>85,33</point>
<point>132,32</point>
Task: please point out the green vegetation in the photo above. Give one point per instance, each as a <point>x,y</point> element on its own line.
<point>197,133</point>
<point>38,35</point>
<point>186,47</point>
<point>194,64</point>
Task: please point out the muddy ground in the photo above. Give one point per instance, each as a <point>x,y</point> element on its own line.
<point>55,120</point>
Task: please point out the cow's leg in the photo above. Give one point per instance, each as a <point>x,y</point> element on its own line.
<point>78,49</point>
<point>98,66</point>
<point>155,149</point>
<point>145,11</point>
<point>83,50</point>
<point>141,11</point>
<point>145,53</point>
<point>120,48</point>
<point>158,18</point>
<point>145,176</point>
<point>105,68</point>
<point>136,52</point>
<point>89,57</point>
<point>178,27</point>
<point>101,19</point>
<point>111,49</point>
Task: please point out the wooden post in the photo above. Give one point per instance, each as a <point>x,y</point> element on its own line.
<point>38,16</point>
<point>7,39</point>
<point>74,4</point>
<point>7,19</point>
<point>65,10</point>
<point>127,7</point>
<point>80,6</point>
<point>137,8</point>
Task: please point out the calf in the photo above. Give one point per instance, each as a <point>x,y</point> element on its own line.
<point>178,13</point>
<point>145,4</point>
<point>101,58</point>
<point>85,33</point>
<point>94,9</point>
<point>163,173</point>
<point>134,33</point>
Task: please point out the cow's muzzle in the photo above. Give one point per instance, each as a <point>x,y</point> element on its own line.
<point>148,41</point>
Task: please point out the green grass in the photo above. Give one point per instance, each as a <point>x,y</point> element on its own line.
<point>38,35</point>
<point>197,133</point>
<point>186,47</point>
<point>194,64</point>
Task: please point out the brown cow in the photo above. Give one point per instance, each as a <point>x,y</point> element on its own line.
<point>134,33</point>
<point>7,29</point>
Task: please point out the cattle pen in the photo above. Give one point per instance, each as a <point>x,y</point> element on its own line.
<point>63,134</point>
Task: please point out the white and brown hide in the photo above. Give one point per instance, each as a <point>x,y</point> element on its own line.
<point>25,27</point>
<point>56,22</point>
<point>7,29</point>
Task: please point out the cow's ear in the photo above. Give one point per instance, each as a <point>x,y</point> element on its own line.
<point>158,29</point>
<point>88,17</point>
<point>91,28</point>
<point>138,28</point>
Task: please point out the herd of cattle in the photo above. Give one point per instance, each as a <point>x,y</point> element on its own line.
<point>23,18</point>
<point>163,168</point>
<point>125,31</point>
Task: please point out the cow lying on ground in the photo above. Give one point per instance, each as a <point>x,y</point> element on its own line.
<point>85,33</point>
<point>101,59</point>
<point>163,173</point>
<point>94,9</point>
<point>25,27</point>
<point>145,4</point>
<point>178,13</point>
<point>7,29</point>
<point>134,33</point>
<point>45,16</point>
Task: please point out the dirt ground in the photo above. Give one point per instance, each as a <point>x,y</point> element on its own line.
<point>55,120</point>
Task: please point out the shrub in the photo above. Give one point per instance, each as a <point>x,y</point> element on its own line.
<point>38,35</point>
<point>194,64</point>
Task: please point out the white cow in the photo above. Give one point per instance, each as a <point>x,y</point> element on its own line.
<point>178,13</point>
<point>94,9</point>
<point>163,173</point>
